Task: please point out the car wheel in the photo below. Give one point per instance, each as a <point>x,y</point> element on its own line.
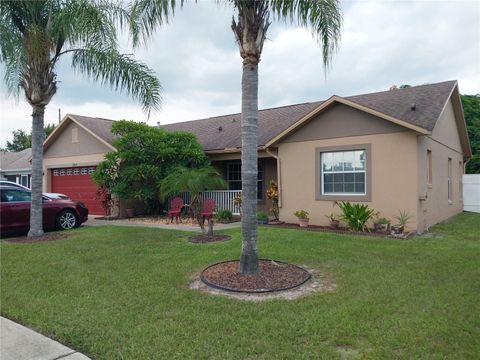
<point>67,219</point>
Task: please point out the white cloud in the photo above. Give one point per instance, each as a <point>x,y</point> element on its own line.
<point>197,61</point>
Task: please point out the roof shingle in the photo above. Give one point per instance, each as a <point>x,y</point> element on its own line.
<point>223,132</point>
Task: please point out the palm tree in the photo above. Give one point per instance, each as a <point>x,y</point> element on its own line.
<point>322,17</point>
<point>35,35</point>
<point>193,181</point>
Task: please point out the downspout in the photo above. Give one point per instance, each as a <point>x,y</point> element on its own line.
<point>465,165</point>
<point>279,176</point>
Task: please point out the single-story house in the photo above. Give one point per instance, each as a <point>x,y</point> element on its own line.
<point>402,149</point>
<point>16,166</point>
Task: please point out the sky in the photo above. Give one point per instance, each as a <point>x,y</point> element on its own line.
<point>198,64</point>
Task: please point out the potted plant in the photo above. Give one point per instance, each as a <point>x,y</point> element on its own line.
<point>302,217</point>
<point>334,220</point>
<point>402,221</point>
<point>130,212</point>
<point>262,217</point>
<point>381,224</point>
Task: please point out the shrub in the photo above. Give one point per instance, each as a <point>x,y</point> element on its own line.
<point>262,216</point>
<point>301,214</point>
<point>224,216</point>
<point>356,215</point>
<point>403,218</point>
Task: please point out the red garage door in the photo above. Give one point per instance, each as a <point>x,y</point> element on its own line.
<point>76,182</point>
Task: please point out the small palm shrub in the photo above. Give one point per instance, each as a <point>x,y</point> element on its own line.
<point>224,216</point>
<point>356,215</point>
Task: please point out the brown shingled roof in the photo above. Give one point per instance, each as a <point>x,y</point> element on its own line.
<point>223,132</point>
<point>429,100</point>
<point>270,123</point>
<point>19,160</point>
<point>101,127</point>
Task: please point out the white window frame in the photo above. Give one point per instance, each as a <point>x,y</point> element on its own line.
<point>364,172</point>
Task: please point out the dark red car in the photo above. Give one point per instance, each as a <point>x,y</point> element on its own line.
<point>59,214</point>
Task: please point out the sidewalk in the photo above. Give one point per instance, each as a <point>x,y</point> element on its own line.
<point>20,343</point>
<point>97,222</point>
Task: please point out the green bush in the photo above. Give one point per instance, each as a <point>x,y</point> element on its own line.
<point>262,216</point>
<point>301,214</point>
<point>356,215</point>
<point>224,216</point>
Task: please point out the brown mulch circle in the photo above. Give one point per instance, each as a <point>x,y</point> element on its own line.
<point>273,276</point>
<point>44,238</point>
<point>202,239</point>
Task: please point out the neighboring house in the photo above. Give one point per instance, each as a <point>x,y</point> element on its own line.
<point>402,149</point>
<point>16,166</point>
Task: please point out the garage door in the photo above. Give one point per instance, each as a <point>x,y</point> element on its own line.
<point>76,182</point>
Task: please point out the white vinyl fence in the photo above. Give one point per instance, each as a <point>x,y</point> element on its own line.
<point>471,192</point>
<point>223,199</point>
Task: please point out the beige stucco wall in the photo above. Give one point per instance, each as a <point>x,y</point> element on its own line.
<point>340,121</point>
<point>69,150</point>
<point>86,144</point>
<point>444,143</point>
<point>394,176</point>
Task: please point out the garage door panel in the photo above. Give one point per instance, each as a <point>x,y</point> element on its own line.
<point>77,183</point>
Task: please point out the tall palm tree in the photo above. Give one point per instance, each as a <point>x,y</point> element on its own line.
<point>322,17</point>
<point>35,35</point>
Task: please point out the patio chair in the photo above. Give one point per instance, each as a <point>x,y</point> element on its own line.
<point>207,209</point>
<point>176,205</point>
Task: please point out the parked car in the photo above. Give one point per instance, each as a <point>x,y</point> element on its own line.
<point>20,186</point>
<point>62,214</point>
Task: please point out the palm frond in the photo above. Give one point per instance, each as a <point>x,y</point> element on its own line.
<point>322,17</point>
<point>146,15</point>
<point>194,181</point>
<point>122,72</point>
<point>12,54</point>
<point>87,22</point>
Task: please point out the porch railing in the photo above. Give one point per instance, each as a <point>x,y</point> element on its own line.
<point>223,199</point>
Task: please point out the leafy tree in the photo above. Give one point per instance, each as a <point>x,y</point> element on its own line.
<point>193,181</point>
<point>471,109</point>
<point>35,35</point>
<point>144,156</point>
<point>22,140</point>
<point>322,17</point>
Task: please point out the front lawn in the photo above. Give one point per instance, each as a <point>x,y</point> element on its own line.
<point>122,293</point>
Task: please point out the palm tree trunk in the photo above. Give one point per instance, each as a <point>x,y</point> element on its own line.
<point>36,209</point>
<point>249,257</point>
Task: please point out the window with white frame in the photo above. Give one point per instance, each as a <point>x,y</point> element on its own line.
<point>76,171</point>
<point>343,172</point>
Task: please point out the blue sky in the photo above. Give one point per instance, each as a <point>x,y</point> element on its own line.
<point>197,62</point>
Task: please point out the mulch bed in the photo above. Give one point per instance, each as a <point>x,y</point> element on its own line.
<point>273,276</point>
<point>44,238</point>
<point>197,239</point>
<point>339,230</point>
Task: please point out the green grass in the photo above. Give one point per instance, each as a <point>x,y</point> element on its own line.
<point>122,293</point>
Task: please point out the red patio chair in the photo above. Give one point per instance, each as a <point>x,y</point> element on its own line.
<point>207,209</point>
<point>176,205</point>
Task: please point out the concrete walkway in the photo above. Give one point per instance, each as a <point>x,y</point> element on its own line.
<point>20,343</point>
<point>97,222</point>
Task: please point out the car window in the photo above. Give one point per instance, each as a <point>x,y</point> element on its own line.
<point>11,195</point>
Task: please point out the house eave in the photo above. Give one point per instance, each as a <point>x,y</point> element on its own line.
<point>337,99</point>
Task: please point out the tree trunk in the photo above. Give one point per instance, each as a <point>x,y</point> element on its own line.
<point>36,208</point>
<point>249,257</point>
